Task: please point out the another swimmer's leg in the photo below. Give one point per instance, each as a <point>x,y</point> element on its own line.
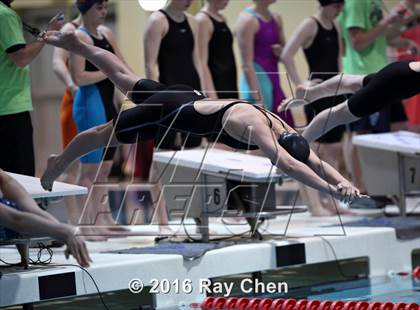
<point>113,67</point>
<point>83,143</point>
<point>328,119</point>
<point>337,85</point>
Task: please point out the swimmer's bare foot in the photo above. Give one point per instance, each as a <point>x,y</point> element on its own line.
<point>234,220</point>
<point>337,209</point>
<point>165,230</point>
<point>319,211</point>
<point>51,173</point>
<point>91,234</point>
<point>299,99</point>
<point>109,223</point>
<point>66,40</point>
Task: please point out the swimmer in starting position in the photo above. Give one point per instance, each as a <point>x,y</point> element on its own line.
<point>161,109</point>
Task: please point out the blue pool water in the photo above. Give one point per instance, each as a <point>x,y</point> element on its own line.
<point>382,289</point>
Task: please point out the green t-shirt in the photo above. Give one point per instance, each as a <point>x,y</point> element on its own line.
<point>15,88</point>
<point>364,14</point>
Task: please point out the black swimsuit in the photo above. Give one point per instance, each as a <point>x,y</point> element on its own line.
<point>395,82</point>
<point>172,109</point>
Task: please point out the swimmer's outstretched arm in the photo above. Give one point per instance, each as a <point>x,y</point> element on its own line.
<point>106,61</point>
<point>331,175</point>
<point>263,137</point>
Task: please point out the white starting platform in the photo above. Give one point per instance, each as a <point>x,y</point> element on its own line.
<point>390,164</point>
<point>60,189</point>
<point>203,183</point>
<point>289,240</point>
<point>33,187</point>
<point>113,272</point>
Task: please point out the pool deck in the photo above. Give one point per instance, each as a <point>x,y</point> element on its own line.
<point>297,237</point>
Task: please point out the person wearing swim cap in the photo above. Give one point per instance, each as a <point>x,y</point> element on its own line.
<point>319,36</point>
<point>162,108</point>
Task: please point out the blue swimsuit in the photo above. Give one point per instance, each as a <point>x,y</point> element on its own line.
<point>94,104</point>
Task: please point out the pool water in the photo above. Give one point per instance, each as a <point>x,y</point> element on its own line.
<point>382,289</point>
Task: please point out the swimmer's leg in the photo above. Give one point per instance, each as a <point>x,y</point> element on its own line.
<point>83,143</point>
<point>113,67</point>
<point>327,120</point>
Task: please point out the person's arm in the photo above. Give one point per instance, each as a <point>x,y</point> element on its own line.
<point>361,38</point>
<point>156,27</point>
<point>263,137</point>
<point>196,56</point>
<point>14,191</point>
<point>302,36</point>
<point>246,29</point>
<point>34,225</point>
<point>61,57</point>
<point>36,222</point>
<point>77,66</point>
<point>278,48</point>
<point>331,175</point>
<point>341,47</point>
<point>25,53</point>
<point>111,38</point>
<point>205,31</point>
<point>405,43</point>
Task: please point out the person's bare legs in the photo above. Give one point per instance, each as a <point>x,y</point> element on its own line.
<point>70,202</point>
<point>337,85</point>
<point>328,119</point>
<point>83,143</point>
<point>105,61</point>
<point>86,216</point>
<point>158,203</point>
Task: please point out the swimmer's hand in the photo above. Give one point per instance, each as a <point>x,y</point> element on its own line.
<point>347,191</point>
<point>77,248</point>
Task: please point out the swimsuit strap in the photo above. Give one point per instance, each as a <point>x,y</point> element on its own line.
<point>204,12</point>
<point>252,12</point>
<point>171,19</point>
<point>270,123</point>
<point>83,29</point>
<point>90,35</point>
<point>262,110</point>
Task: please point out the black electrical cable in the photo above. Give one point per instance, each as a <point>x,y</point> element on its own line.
<point>91,277</point>
<point>340,270</point>
<point>38,261</point>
